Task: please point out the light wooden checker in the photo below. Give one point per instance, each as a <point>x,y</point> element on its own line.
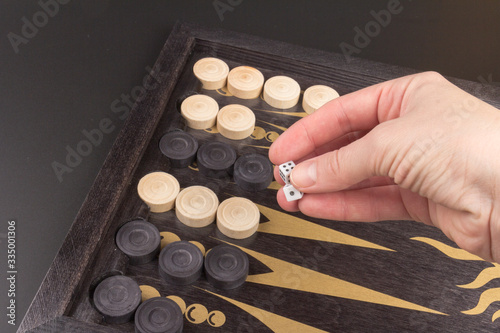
<point>238,218</point>
<point>235,121</point>
<point>158,190</point>
<point>281,92</point>
<point>245,82</point>
<point>211,72</point>
<point>317,96</point>
<point>196,206</point>
<point>200,111</point>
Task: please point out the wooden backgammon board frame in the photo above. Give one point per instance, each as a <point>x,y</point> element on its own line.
<point>306,275</point>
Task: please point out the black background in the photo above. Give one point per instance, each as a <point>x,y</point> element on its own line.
<point>64,79</point>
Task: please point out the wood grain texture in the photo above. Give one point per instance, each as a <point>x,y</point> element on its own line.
<point>66,324</point>
<point>406,268</point>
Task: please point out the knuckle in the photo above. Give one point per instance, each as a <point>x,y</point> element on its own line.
<point>472,235</point>
<point>379,143</point>
<point>333,165</point>
<point>432,76</point>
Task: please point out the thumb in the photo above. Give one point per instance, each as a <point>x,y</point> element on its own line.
<point>339,169</point>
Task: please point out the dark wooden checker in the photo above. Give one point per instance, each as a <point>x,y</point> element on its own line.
<point>306,275</point>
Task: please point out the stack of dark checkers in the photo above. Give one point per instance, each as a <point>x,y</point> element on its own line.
<point>159,314</point>
<point>226,267</point>
<point>139,240</point>
<point>216,159</point>
<point>180,148</point>
<point>253,172</point>
<point>116,298</point>
<point>180,263</point>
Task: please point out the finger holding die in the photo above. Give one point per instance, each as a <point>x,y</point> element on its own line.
<point>291,193</point>
<point>286,170</point>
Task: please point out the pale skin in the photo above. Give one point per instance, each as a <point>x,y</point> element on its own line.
<point>415,148</point>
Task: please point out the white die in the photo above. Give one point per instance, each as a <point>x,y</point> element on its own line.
<point>286,170</point>
<point>291,193</point>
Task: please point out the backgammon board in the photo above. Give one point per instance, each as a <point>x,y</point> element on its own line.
<point>306,274</point>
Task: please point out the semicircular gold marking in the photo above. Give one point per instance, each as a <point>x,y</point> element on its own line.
<point>212,130</point>
<point>224,92</point>
<point>216,318</point>
<point>196,313</point>
<point>180,302</point>
<point>148,292</point>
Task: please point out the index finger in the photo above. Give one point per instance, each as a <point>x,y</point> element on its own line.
<point>357,111</point>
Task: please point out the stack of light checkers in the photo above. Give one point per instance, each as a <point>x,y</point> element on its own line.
<point>198,206</point>
<point>281,92</point>
<point>235,121</point>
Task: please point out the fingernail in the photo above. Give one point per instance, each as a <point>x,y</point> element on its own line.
<point>304,175</point>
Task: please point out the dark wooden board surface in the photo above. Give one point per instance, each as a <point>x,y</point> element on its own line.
<point>306,275</point>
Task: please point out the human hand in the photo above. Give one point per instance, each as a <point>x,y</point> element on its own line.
<point>415,148</point>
